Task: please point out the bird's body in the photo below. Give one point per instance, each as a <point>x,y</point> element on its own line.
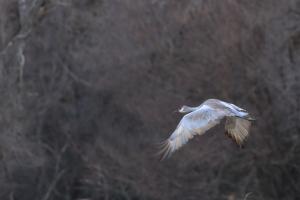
<point>198,120</point>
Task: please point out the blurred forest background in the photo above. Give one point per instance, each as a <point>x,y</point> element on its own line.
<point>88,88</point>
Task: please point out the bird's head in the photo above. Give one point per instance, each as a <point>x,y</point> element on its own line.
<point>185,109</point>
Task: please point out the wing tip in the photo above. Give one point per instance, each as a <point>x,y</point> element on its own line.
<point>239,141</point>
<point>165,150</point>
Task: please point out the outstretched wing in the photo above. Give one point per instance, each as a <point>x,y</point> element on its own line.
<point>196,122</point>
<point>237,129</point>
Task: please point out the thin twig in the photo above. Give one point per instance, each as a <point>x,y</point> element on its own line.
<point>76,78</point>
<point>53,184</point>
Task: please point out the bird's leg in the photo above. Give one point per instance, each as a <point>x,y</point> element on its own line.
<point>246,118</point>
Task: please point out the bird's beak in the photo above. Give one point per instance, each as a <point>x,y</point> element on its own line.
<point>176,111</point>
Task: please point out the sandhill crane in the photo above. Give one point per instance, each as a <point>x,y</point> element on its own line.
<point>197,120</point>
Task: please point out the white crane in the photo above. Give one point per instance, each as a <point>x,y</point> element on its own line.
<point>198,120</point>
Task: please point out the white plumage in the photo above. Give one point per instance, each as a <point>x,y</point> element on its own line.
<point>199,119</point>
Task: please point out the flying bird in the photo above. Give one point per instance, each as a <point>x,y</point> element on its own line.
<point>197,120</point>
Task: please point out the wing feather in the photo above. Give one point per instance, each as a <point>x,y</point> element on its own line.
<point>238,129</point>
<point>194,123</point>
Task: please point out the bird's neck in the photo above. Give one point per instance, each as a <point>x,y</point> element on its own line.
<point>190,109</point>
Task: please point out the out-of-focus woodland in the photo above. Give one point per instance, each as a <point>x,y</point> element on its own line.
<point>88,88</point>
